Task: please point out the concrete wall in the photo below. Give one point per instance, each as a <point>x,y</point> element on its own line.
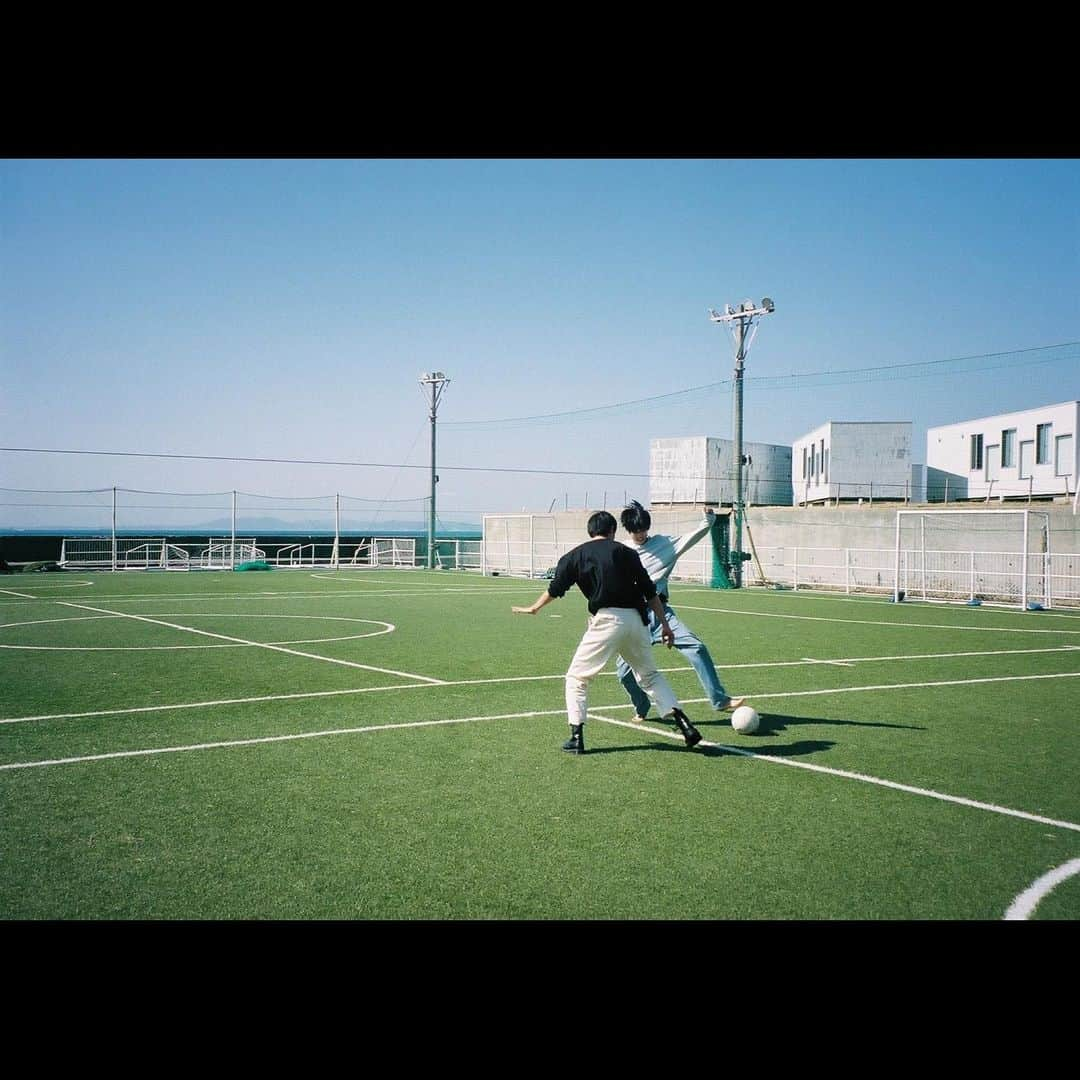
<point>701,469</point>
<point>527,545</point>
<point>948,449</point>
<point>853,548</point>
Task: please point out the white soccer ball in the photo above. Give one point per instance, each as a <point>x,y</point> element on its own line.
<point>745,720</point>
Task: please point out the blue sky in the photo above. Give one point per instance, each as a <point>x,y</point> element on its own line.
<point>286,308</point>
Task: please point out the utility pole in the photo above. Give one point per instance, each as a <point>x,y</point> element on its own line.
<point>740,319</point>
<point>433,384</point>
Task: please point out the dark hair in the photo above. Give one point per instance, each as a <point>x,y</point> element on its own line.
<point>635,518</point>
<point>601,524</point>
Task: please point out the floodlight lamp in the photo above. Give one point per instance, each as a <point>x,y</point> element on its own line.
<point>768,305</point>
<point>748,305</point>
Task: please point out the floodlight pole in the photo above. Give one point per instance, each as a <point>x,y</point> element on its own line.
<point>740,320</point>
<point>433,383</point>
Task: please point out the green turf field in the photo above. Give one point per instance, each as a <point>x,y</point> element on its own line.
<point>385,745</point>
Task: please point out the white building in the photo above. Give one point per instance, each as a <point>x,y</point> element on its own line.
<point>700,469</point>
<point>1019,454</point>
<point>856,460</point>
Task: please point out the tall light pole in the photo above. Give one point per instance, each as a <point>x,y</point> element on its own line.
<point>433,384</point>
<point>740,320</point>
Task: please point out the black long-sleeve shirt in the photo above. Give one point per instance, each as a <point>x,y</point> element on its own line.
<point>608,573</point>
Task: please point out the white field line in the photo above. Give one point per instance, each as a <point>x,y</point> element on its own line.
<point>544,678</point>
<point>387,628</point>
<point>258,644</point>
<point>834,663</point>
<point>276,739</point>
<point>875,622</point>
<point>909,686</point>
<point>824,769</point>
<point>12,592</point>
<point>808,595</point>
<point>1024,905</point>
<point>58,585</point>
<point>352,594</point>
<point>846,774</point>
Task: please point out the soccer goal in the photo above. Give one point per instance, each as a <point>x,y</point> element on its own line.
<point>393,551</point>
<point>997,556</point>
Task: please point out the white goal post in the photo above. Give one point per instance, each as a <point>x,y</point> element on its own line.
<point>998,556</point>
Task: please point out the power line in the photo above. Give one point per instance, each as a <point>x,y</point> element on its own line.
<point>307,461</point>
<point>794,381</point>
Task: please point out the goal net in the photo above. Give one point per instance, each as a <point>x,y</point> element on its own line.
<point>998,556</point>
<point>393,551</point>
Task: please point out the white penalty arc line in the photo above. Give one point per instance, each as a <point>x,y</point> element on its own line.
<point>387,628</point>
<point>508,679</point>
<point>257,644</point>
<point>12,592</point>
<point>875,622</point>
<point>1024,905</point>
<point>848,775</point>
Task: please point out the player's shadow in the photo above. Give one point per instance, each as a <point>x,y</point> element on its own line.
<point>771,724</point>
<point>795,749</point>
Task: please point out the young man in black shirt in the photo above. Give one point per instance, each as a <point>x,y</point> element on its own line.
<point>619,592</point>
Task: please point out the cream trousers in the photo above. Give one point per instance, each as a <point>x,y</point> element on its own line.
<point>615,631</point>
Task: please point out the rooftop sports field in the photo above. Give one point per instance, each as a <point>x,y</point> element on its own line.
<point>385,745</point>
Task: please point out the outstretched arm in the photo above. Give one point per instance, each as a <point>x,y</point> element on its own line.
<point>688,540</point>
<point>541,601</point>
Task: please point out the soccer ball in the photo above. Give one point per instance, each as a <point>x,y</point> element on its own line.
<point>745,720</point>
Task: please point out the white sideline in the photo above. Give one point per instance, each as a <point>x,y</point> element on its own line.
<point>846,774</point>
<point>257,644</point>
<point>1023,906</point>
<point>875,622</point>
<point>12,592</point>
<point>536,678</point>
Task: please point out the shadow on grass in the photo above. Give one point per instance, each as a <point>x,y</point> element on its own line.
<point>772,723</point>
<point>795,749</point>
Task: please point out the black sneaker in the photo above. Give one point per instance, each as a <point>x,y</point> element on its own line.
<point>576,743</point>
<point>689,732</point>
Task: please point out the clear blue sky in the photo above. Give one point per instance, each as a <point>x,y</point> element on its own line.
<point>286,308</point>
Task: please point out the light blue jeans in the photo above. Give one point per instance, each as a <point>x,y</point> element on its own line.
<point>695,651</point>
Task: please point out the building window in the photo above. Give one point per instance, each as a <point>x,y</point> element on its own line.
<point>825,464</point>
<point>1008,448</point>
<point>1063,455</point>
<point>804,462</point>
<point>1042,443</point>
<point>1027,448</point>
<point>976,452</point>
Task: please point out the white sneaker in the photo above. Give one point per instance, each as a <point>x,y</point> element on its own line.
<point>734,703</point>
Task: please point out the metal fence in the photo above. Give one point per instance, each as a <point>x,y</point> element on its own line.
<point>947,575</point>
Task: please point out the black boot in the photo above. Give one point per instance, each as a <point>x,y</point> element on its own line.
<point>576,743</point>
<point>689,732</point>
